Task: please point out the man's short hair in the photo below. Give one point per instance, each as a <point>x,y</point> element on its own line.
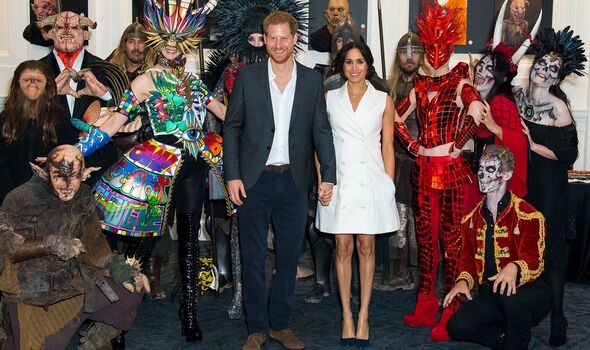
<point>506,157</point>
<point>280,17</point>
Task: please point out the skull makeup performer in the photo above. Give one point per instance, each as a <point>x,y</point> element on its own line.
<point>553,140</point>
<point>493,80</point>
<point>55,262</point>
<point>440,174</point>
<point>135,193</point>
<point>503,251</point>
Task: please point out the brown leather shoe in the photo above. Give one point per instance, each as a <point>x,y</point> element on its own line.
<point>255,341</point>
<point>287,339</point>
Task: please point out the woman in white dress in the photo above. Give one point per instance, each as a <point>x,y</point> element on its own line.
<point>363,200</point>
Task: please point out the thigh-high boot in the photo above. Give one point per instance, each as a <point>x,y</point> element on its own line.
<point>188,255</point>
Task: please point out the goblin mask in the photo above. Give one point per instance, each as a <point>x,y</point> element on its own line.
<point>67,33</point>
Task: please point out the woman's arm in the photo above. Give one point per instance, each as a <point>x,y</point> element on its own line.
<point>217,108</point>
<point>387,134</point>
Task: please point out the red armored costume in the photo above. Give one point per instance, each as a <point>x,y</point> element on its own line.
<point>439,175</point>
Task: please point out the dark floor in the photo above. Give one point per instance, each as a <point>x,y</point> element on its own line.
<point>158,327</point>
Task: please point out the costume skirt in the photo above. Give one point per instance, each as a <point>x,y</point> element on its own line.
<point>133,194</point>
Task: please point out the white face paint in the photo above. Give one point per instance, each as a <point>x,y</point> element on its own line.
<point>484,77</point>
<point>490,174</point>
<point>545,71</point>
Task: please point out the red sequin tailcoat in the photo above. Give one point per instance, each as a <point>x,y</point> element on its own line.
<point>519,237</point>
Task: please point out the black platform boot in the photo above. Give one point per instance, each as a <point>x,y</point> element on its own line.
<point>321,252</point>
<point>188,258</point>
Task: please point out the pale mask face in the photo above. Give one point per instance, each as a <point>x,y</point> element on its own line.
<point>517,10</point>
<point>32,83</point>
<point>43,8</point>
<point>490,174</point>
<point>545,71</point>
<point>67,33</point>
<point>336,12</point>
<point>484,77</point>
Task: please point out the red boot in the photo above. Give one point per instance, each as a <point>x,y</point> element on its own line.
<point>424,313</point>
<point>439,332</point>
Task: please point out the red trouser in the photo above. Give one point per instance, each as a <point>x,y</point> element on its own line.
<point>438,213</point>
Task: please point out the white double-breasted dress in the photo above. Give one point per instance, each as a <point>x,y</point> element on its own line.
<point>363,200</point>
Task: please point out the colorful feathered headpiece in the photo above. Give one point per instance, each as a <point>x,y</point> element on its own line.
<point>237,19</point>
<point>564,44</point>
<point>439,30</point>
<point>175,22</point>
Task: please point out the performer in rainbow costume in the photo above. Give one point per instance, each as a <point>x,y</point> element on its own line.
<point>135,194</point>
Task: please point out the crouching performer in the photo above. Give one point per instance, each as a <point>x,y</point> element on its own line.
<point>57,269</point>
<point>503,254</point>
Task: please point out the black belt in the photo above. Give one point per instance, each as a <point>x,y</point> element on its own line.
<point>277,168</point>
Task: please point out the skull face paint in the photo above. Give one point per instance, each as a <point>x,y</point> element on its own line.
<point>484,76</point>
<point>65,166</point>
<point>490,174</point>
<point>67,33</point>
<point>545,71</point>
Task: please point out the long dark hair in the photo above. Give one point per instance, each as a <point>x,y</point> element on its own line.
<point>16,122</point>
<point>502,76</point>
<point>365,52</point>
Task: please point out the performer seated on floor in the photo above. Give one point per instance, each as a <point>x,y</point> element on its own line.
<point>503,253</point>
<point>54,263</point>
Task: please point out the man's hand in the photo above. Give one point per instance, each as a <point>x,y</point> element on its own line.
<point>63,83</point>
<point>325,190</point>
<point>140,282</point>
<point>236,189</point>
<point>506,278</point>
<point>132,126</point>
<point>64,248</point>
<point>460,287</point>
<point>93,86</point>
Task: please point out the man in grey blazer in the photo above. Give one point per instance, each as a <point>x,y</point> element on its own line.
<point>275,121</point>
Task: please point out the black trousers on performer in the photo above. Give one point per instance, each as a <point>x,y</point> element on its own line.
<point>489,314</point>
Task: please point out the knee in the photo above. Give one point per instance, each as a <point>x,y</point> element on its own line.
<point>344,250</point>
<point>457,327</point>
<point>366,249</point>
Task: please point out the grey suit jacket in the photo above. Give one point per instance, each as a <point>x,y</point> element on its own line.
<point>249,128</point>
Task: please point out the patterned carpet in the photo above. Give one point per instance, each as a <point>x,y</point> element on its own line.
<point>318,325</point>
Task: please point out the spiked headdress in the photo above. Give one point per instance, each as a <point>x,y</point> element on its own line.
<point>237,19</point>
<point>175,22</point>
<point>439,30</point>
<point>564,44</point>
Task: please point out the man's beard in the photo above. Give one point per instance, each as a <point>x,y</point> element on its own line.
<point>409,72</point>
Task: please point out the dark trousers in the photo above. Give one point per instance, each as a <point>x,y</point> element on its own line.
<point>274,197</point>
<point>487,315</point>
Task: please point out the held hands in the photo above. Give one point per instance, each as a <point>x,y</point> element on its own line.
<point>488,120</point>
<point>64,248</point>
<point>93,86</point>
<point>506,278</point>
<point>325,191</point>
<point>460,287</point>
<point>236,189</point>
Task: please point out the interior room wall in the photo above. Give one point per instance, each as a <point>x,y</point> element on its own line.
<point>113,16</point>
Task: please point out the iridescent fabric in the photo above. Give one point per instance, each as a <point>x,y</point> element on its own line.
<point>134,193</point>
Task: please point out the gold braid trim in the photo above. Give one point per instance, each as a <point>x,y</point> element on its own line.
<point>464,275</point>
<point>527,275</point>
